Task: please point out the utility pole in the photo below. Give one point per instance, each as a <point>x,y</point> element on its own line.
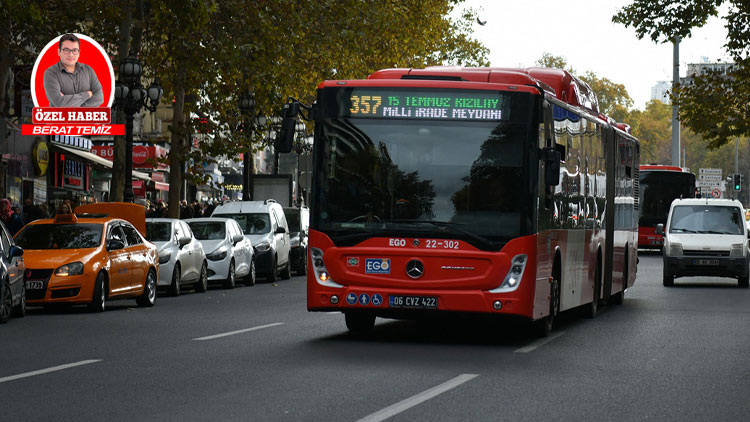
<point>675,110</point>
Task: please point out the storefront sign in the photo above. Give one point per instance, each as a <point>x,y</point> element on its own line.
<point>73,174</point>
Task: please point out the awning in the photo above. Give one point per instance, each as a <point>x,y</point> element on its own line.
<point>97,160</point>
<point>162,186</point>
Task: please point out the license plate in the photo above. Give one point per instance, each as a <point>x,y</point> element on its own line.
<point>705,262</point>
<point>34,285</point>
<point>413,302</point>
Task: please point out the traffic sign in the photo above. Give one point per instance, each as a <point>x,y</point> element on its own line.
<point>716,193</point>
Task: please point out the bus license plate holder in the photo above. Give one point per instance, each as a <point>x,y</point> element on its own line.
<point>705,261</point>
<point>413,302</point>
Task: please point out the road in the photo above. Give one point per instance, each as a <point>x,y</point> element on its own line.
<point>255,353</point>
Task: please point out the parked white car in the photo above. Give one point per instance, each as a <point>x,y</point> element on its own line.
<point>181,258</point>
<point>705,237</point>
<point>229,253</point>
<point>264,223</point>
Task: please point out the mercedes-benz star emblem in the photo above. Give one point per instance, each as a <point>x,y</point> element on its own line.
<point>414,268</point>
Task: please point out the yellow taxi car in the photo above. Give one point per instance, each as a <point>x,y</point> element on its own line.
<point>89,257</point>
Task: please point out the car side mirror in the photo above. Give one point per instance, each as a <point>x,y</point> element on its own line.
<point>280,230</point>
<point>183,241</point>
<point>660,229</point>
<point>115,244</point>
<point>16,251</point>
<point>237,238</point>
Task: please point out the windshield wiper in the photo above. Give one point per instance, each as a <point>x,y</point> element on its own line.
<point>451,227</point>
<point>713,232</point>
<point>684,230</point>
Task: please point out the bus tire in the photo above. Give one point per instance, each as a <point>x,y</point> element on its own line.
<point>619,297</point>
<point>743,281</point>
<point>590,310</point>
<point>359,322</point>
<point>545,325</point>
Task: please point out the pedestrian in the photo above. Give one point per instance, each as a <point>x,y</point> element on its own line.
<point>186,211</point>
<point>12,221</point>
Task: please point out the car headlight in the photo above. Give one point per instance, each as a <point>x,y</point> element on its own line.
<point>515,274</point>
<point>262,247</point>
<point>74,268</point>
<point>165,256</point>
<point>294,242</point>
<point>217,255</point>
<point>675,249</point>
<point>738,249</point>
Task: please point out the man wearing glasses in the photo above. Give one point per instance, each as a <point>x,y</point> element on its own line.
<point>69,83</point>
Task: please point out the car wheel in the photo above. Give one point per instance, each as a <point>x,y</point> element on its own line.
<point>359,322</point>
<point>20,309</point>
<point>202,284</point>
<point>286,273</point>
<point>148,298</point>
<point>273,276</point>
<point>230,281</point>
<point>668,279</point>
<point>174,288</point>
<point>744,281</point>
<point>7,302</point>
<point>250,279</point>
<point>99,297</point>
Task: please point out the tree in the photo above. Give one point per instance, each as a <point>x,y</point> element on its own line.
<point>714,106</point>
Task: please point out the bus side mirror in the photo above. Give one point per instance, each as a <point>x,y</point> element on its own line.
<point>285,139</point>
<point>551,166</point>
<point>660,229</point>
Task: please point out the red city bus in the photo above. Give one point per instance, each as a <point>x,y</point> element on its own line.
<point>467,190</point>
<point>659,185</point>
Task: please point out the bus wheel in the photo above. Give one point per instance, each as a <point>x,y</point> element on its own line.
<point>359,322</point>
<point>619,297</point>
<point>744,281</point>
<point>544,325</point>
<point>590,310</point>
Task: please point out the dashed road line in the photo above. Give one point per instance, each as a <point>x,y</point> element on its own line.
<point>48,370</point>
<point>538,343</point>
<point>231,333</point>
<point>412,401</point>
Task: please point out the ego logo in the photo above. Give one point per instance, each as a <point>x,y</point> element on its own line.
<point>377,266</point>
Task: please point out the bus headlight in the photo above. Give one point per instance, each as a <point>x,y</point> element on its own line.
<point>322,276</point>
<point>515,274</point>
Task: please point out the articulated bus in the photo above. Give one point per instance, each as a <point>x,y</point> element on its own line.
<point>660,185</point>
<point>467,190</point>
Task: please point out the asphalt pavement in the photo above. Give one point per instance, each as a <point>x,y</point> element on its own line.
<point>256,354</point>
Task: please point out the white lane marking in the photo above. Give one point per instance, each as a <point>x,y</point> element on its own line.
<point>52,369</point>
<point>231,333</point>
<point>538,343</point>
<point>412,401</point>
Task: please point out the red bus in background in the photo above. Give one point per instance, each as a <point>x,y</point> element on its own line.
<point>468,190</point>
<point>659,185</point>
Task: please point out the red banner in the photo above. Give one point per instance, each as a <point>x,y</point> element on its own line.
<point>71,115</point>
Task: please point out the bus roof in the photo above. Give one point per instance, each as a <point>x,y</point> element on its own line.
<point>663,167</point>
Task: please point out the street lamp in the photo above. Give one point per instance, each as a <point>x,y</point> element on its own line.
<point>130,96</point>
<point>247,108</point>
<point>300,148</point>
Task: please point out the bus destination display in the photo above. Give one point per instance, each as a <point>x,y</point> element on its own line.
<point>448,105</point>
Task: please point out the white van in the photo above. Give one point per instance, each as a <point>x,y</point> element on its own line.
<point>705,237</point>
<point>264,223</point>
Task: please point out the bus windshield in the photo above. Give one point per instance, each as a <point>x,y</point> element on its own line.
<point>448,179</point>
<point>657,191</point>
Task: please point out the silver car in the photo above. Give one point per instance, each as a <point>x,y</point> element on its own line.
<point>181,257</point>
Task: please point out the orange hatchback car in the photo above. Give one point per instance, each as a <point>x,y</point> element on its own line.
<point>90,257</point>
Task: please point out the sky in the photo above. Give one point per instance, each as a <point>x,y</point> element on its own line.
<point>518,33</point>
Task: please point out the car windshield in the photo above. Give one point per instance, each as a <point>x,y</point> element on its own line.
<point>158,232</point>
<point>208,230</point>
<point>251,223</point>
<point>706,219</point>
<point>292,218</point>
<point>60,236</point>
